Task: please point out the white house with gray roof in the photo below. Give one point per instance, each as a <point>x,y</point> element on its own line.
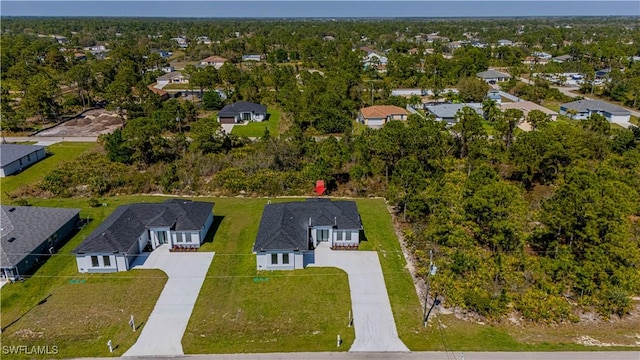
<point>29,234</point>
<point>493,76</point>
<point>447,112</point>
<point>289,232</point>
<point>135,228</point>
<point>16,157</point>
<point>584,108</point>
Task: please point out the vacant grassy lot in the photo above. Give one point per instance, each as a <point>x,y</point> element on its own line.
<point>242,310</point>
<point>59,152</point>
<point>256,129</point>
<point>76,312</point>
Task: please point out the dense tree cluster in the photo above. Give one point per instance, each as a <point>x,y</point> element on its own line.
<point>543,223</point>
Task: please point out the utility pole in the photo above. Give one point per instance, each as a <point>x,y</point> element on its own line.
<point>426,295</point>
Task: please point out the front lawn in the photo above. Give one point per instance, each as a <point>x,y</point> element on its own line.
<point>256,129</point>
<point>78,313</point>
<point>60,152</point>
<point>242,310</point>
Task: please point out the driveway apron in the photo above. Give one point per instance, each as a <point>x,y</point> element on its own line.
<point>372,317</point>
<point>162,334</point>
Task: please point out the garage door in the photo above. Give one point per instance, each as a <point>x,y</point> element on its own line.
<point>228,120</point>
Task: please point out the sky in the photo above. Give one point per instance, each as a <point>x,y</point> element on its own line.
<point>317,9</point>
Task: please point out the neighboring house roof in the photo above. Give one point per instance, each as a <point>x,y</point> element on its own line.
<point>157,91</point>
<point>526,107</point>
<point>29,227</point>
<point>242,106</point>
<point>214,59</point>
<point>448,111</point>
<point>595,105</point>
<point>12,152</point>
<point>251,58</point>
<point>382,111</point>
<point>285,226</point>
<point>490,74</point>
<point>124,226</point>
<point>563,58</point>
<point>169,76</point>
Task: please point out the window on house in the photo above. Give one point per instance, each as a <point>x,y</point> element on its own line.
<point>188,237</point>
<point>28,157</point>
<point>285,259</point>
<point>20,162</point>
<point>179,237</point>
<point>94,261</point>
<point>347,235</point>
<point>339,235</point>
<point>106,260</point>
<point>274,259</point>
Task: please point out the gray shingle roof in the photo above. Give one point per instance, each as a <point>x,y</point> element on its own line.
<point>30,226</point>
<point>285,226</point>
<point>448,111</point>
<point>12,152</point>
<point>169,76</point>
<point>595,105</point>
<point>490,74</point>
<point>124,226</point>
<point>242,106</point>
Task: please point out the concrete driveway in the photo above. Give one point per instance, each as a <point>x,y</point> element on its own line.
<point>162,334</point>
<point>372,317</point>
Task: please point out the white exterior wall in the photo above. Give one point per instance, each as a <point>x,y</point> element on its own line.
<point>355,237</point>
<point>118,262</point>
<point>618,118</point>
<point>22,163</point>
<point>206,227</point>
<point>142,241</point>
<point>264,260</point>
<point>374,123</point>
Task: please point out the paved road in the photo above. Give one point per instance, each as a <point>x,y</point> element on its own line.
<point>51,139</point>
<point>599,355</point>
<point>162,334</point>
<point>372,317</point>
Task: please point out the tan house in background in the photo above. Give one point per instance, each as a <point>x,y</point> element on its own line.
<point>376,116</point>
<point>215,61</point>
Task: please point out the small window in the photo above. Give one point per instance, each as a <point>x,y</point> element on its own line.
<point>347,235</point>
<point>28,157</point>
<point>179,237</point>
<point>106,260</point>
<point>339,235</point>
<point>20,162</point>
<point>274,259</point>
<point>94,261</point>
<point>285,258</point>
<point>188,237</point>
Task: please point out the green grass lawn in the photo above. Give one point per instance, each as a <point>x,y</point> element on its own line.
<point>256,129</point>
<point>300,310</point>
<point>634,120</point>
<point>78,318</point>
<point>59,153</point>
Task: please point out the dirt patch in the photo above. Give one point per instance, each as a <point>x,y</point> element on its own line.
<point>90,123</point>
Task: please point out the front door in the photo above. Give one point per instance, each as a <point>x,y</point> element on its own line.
<point>323,234</point>
<point>162,237</point>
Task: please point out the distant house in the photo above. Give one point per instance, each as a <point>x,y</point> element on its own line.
<point>215,61</point>
<point>242,111</point>
<point>163,53</point>
<point>585,108</point>
<point>541,55</point>
<point>495,96</point>
<point>493,76</point>
<point>289,232</point>
<point>504,42</point>
<point>174,77</point>
<point>604,73</point>
<point>164,95</point>
<point>562,58</point>
<point>376,61</point>
<point>254,57</point>
<point>328,38</point>
<point>447,112</point>
<point>135,228</point>
<point>203,40</point>
<point>408,92</point>
<point>528,106</point>
<point>16,157</point>
<point>378,115</point>
<point>29,234</point>
<point>182,41</point>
